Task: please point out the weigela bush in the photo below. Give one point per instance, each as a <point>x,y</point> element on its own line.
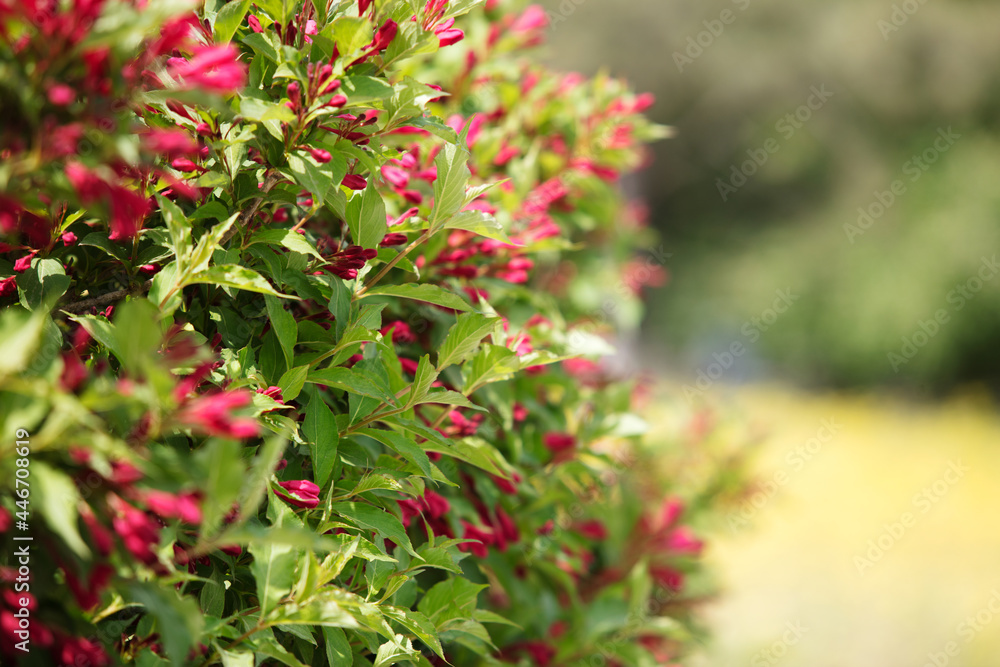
<point>304,311</point>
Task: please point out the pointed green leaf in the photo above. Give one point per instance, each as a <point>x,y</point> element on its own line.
<point>428,293</point>
<point>320,429</point>
<point>366,217</point>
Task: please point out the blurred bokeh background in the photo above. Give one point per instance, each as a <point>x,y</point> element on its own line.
<point>831,210</point>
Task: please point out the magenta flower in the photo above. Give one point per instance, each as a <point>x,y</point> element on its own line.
<point>559,442</point>
<point>184,506</point>
<point>300,493</point>
<point>214,68</point>
<point>212,415</point>
<point>354,182</point>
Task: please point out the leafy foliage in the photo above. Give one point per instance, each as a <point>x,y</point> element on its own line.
<point>287,327</point>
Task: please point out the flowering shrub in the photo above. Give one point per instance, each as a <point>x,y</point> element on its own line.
<point>304,306</point>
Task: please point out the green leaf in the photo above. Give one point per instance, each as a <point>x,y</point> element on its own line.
<point>229,19</point>
<point>20,336</point>
<point>273,565</point>
<point>395,650</point>
<point>479,222</point>
<point>338,650</point>
<point>287,238</point>
<point>464,337</point>
<point>377,519</point>
<point>101,240</point>
<point>220,458</point>
<point>490,363</point>
<point>178,619</point>
<point>351,33</point>
<point>238,277</point>
<point>365,89</point>
<point>213,595</point>
<point>102,331</point>
<point>58,498</point>
<point>259,110</point>
<point>292,381</point>
<point>366,217</point>
<point>236,658</point>
<point>422,381</point>
<point>138,332</point>
<point>316,179</point>
<point>351,382</point>
<point>452,598</point>
<point>428,293</point>
<point>320,429</point>
<point>452,177</point>
<point>402,445</point>
<point>255,485</point>
<point>283,323</point>
<point>416,623</point>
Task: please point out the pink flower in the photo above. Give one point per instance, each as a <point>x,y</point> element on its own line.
<point>300,493</point>
<point>215,68</point>
<point>559,442</point>
<point>320,155</point>
<point>68,238</point>
<point>184,506</point>
<point>592,530</point>
<point>667,577</point>
<point>171,143</point>
<point>393,240</point>
<point>88,592</point>
<point>61,95</point>
<point>681,541</point>
<point>395,176</point>
<point>384,36</point>
<point>24,263</point>
<point>533,18</point>
<point>398,331</point>
<point>448,35</point>
<point>273,393</point>
<point>212,414</point>
<point>483,539</point>
<point>138,531</point>
<point>354,182</point>
<point>254,23</point>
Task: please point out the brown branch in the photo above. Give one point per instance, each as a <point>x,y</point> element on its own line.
<point>105,299</point>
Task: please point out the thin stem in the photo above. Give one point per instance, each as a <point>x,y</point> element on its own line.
<point>395,260</point>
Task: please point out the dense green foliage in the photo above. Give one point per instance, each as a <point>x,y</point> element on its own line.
<point>304,311</point>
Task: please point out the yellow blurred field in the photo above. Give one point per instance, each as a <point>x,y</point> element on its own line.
<point>917,595</point>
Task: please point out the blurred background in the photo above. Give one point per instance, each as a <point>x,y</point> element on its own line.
<point>830,207</point>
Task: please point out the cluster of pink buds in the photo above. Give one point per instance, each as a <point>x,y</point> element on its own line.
<point>345,263</point>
